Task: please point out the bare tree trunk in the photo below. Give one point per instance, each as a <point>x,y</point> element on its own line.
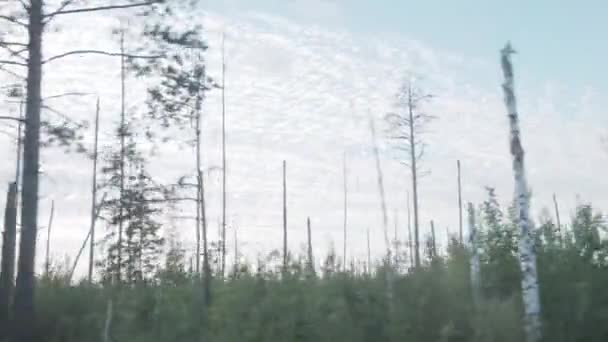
<point>285,216</point>
<point>199,195</point>
<point>389,271</point>
<point>236,251</point>
<point>409,231</point>
<point>94,197</point>
<point>434,242</point>
<point>414,171</point>
<point>47,262</point>
<point>475,265</point>
<point>95,214</point>
<point>460,236</point>
<point>345,212</point>
<point>25,286</point>
<point>369,256</point>
<point>122,154</point>
<point>311,261</point>
<point>206,267</point>
<point>223,159</point>
<point>527,254</point>
<point>7,271</point>
<point>559,224</point>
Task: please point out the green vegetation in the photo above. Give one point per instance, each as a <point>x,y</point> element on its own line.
<point>432,303</point>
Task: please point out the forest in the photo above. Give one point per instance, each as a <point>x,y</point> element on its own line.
<point>503,275</point>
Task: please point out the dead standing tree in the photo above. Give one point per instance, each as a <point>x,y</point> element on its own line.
<point>406,127</point>
<point>527,254</point>
<point>7,270</point>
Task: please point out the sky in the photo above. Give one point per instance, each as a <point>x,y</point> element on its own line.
<point>303,77</point>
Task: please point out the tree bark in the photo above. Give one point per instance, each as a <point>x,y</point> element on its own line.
<point>94,198</point>
<point>24,290</point>
<point>7,270</point>
<point>527,254</point>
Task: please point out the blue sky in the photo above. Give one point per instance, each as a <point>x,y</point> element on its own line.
<point>564,41</point>
<point>301,78</point>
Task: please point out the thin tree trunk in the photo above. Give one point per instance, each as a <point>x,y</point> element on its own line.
<point>47,262</point>
<point>433,240</point>
<point>414,172</point>
<point>236,251</point>
<point>199,195</point>
<point>475,264</point>
<point>559,224</point>
<point>7,270</point>
<point>285,216</point>
<point>94,197</point>
<point>311,261</point>
<point>345,212</point>
<point>19,144</point>
<point>122,154</point>
<point>409,231</point>
<point>206,267</point>
<point>95,215</point>
<point>223,158</point>
<point>25,286</point>
<point>369,256</point>
<point>527,254</point>
<point>460,236</point>
<point>389,271</point>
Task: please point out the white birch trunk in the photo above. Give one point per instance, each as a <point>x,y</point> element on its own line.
<point>527,254</point>
<point>474,245</point>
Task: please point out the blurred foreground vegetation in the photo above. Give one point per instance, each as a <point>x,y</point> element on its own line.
<point>433,303</point>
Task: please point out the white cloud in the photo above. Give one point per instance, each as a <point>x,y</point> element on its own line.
<point>302,94</point>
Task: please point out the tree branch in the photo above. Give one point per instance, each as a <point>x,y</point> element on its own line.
<point>98,52</point>
<point>11,118</point>
<point>12,62</point>
<point>12,43</point>
<point>13,20</point>
<point>103,8</point>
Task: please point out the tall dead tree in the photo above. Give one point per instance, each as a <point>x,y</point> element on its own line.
<point>311,260</point>
<point>345,212</point>
<point>285,256</point>
<point>409,231</point>
<point>94,197</point>
<point>47,262</point>
<point>369,255</point>
<point>460,236</point>
<point>433,241</point>
<point>406,127</point>
<point>475,265</point>
<point>223,156</point>
<point>7,270</point>
<point>122,135</point>
<point>527,254</point>
<point>557,218</point>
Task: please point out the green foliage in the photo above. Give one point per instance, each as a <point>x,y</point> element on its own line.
<point>432,303</point>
